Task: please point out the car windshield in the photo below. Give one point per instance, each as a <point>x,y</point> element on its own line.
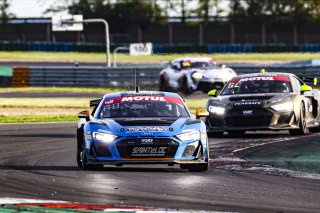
<point>257,84</point>
<point>143,106</point>
<point>197,64</point>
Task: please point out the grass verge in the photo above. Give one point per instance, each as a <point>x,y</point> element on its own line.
<point>125,58</point>
<point>100,90</point>
<point>42,118</point>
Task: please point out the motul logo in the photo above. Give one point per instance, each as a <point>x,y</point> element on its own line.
<point>268,78</point>
<point>143,98</point>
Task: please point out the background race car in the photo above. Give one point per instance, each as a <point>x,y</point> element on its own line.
<point>142,127</point>
<point>270,101</point>
<point>194,73</point>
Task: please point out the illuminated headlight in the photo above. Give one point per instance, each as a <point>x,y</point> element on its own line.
<point>196,76</point>
<point>194,135</point>
<point>287,106</point>
<point>104,137</point>
<point>217,110</point>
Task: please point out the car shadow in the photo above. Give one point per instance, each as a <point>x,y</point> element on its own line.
<point>75,168</point>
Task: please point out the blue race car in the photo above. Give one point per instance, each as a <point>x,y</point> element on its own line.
<point>142,128</point>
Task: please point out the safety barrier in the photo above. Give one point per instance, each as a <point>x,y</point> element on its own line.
<point>123,77</point>
<point>93,76</point>
<point>158,48</point>
<point>120,77</point>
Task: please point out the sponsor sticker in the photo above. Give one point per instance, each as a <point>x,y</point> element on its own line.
<point>149,129</point>
<point>247,112</point>
<point>148,152</point>
<point>245,103</point>
<point>234,81</point>
<point>127,99</point>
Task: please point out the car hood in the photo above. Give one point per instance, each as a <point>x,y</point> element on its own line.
<point>142,127</point>
<point>248,99</point>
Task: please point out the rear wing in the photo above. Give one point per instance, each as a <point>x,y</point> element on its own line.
<point>96,102</point>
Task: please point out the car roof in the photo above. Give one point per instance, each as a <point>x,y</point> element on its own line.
<point>141,93</point>
<point>194,59</point>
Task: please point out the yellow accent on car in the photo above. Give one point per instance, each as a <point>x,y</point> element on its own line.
<point>305,88</point>
<point>212,92</point>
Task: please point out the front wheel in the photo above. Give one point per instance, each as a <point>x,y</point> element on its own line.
<point>83,160</point>
<point>302,123</point>
<point>200,167</point>
<point>163,85</point>
<point>184,87</point>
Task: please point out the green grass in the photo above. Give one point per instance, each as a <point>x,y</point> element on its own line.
<point>100,90</point>
<point>125,58</point>
<point>44,103</point>
<point>43,118</point>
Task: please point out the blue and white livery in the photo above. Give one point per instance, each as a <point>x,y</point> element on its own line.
<point>142,128</point>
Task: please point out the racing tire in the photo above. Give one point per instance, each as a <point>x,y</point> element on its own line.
<point>236,133</point>
<point>79,146</point>
<point>183,86</point>
<point>162,85</point>
<point>200,167</point>
<point>302,123</point>
<point>83,160</point>
<point>215,134</point>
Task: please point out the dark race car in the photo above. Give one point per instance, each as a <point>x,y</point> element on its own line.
<point>269,101</point>
<point>142,128</point>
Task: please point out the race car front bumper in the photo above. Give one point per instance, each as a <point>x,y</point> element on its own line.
<point>143,151</point>
<point>251,119</point>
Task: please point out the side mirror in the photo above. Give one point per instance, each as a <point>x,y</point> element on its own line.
<point>315,81</point>
<point>201,112</point>
<point>305,88</point>
<point>84,114</point>
<point>213,93</point>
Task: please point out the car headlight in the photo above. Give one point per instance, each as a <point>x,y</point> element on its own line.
<point>217,110</point>
<point>287,106</point>
<point>196,76</point>
<point>194,135</point>
<point>104,137</point>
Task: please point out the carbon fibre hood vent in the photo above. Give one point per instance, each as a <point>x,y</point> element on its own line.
<point>145,122</point>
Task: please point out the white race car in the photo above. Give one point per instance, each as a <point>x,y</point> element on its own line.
<point>189,74</point>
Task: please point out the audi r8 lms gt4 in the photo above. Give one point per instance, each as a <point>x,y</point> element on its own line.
<point>189,74</point>
<point>142,128</point>
<point>270,101</point>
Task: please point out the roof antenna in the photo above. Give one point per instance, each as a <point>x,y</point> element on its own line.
<point>135,81</point>
<point>135,77</point>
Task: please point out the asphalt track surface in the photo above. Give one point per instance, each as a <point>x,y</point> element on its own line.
<point>38,161</point>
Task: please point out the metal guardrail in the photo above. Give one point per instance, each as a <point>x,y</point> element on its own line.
<point>125,77</point>
<point>93,76</point>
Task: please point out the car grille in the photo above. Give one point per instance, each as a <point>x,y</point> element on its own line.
<point>259,117</point>
<point>147,148</point>
<point>100,149</point>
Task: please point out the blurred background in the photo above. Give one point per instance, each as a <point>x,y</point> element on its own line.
<point>175,26</point>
